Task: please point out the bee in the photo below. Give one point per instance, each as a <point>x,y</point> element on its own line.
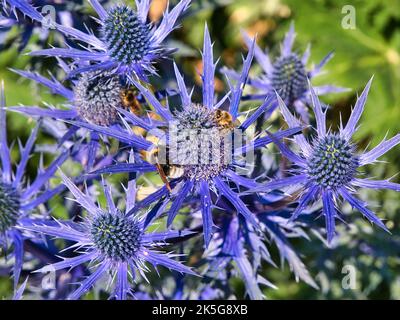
<point>224,119</point>
<point>130,101</point>
<point>166,170</point>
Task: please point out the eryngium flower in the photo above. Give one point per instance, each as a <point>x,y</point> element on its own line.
<point>328,165</point>
<point>127,43</point>
<point>95,97</point>
<point>211,171</point>
<point>17,199</point>
<point>287,75</point>
<point>113,242</point>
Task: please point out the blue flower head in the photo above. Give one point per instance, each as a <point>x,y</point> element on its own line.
<point>112,241</point>
<point>287,75</point>
<point>206,171</point>
<point>17,199</point>
<point>127,44</point>
<point>328,165</point>
<point>95,97</point>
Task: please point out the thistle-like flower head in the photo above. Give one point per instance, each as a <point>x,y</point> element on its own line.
<point>127,44</point>
<point>111,241</point>
<point>333,162</point>
<point>328,166</point>
<point>126,36</point>
<point>9,207</point>
<point>288,75</point>
<point>95,97</point>
<point>17,199</point>
<point>116,236</point>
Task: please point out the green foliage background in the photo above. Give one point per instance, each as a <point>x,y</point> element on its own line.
<point>372,48</point>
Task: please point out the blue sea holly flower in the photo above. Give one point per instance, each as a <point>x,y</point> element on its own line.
<point>207,168</point>
<point>328,165</point>
<point>111,241</point>
<point>17,198</point>
<point>287,75</point>
<point>126,43</point>
<point>95,97</point>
